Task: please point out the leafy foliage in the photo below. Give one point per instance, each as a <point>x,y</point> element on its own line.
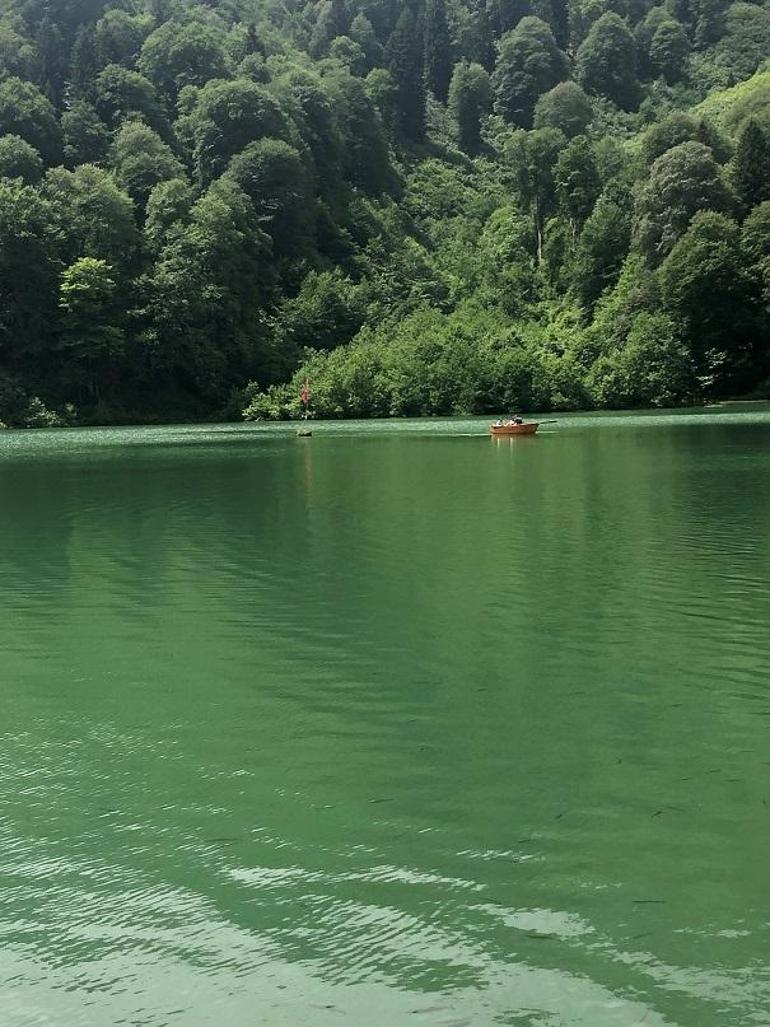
<point>426,207</point>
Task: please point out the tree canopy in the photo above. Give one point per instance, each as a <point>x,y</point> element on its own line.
<point>425,207</point>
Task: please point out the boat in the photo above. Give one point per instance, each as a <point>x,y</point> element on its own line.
<point>507,430</point>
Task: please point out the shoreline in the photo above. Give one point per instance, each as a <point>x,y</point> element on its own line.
<point>742,402</point>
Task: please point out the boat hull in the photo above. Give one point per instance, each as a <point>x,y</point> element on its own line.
<point>507,430</point>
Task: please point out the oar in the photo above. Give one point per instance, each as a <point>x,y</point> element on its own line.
<point>554,420</point>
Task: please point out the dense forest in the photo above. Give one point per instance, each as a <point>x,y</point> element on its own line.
<point>423,207</point>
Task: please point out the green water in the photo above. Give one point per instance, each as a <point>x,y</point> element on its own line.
<point>395,725</point>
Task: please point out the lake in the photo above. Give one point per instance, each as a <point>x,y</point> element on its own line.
<point>395,725</point>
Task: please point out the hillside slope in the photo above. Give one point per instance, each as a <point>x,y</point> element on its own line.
<point>427,207</point>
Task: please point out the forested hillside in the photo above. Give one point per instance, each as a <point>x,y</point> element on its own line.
<point>432,206</point>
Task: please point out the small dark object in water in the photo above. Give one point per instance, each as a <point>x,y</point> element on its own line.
<point>304,433</point>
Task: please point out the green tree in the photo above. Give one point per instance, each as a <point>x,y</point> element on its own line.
<point>365,150</point>
<point>120,93</point>
<point>51,59</point>
<point>86,137</point>
<point>577,182</point>
<point>168,211</point>
<point>602,246</point>
<point>381,90</point>
<point>94,217</point>
<point>506,14</point>
<point>470,99</point>
<point>709,21</point>
<point>755,234</point>
<point>606,62</point>
<point>272,175</point>
<point>205,296</point>
<point>755,247</point>
<point>119,37</point>
<point>531,158</point>
<point>474,35</point>
<point>141,160</point>
<point>178,54</point>
<point>438,49</point>
<point>653,368</point>
<point>331,22</point>
<point>348,52</point>
<point>404,55</point>
<point>227,117</point>
<point>750,167</point>
<point>25,112</point>
<point>85,63</point>
<point>529,63</point>
<point>327,312</point>
<point>17,53</point>
<point>362,32</point>
<point>636,292</point>
<point>565,107</point>
<point>669,50</point>
<point>703,281</point>
<point>745,43</point>
<point>91,342</point>
<point>682,127</point>
<point>28,271</point>
<point>305,97</point>
<point>19,160</point>
<point>682,181</point>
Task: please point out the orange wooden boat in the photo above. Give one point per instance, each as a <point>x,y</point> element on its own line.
<point>506,430</point>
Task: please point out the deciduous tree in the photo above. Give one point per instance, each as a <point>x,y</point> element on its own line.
<point>470,99</point>
<point>565,107</point>
<point>606,62</point>
<point>682,181</point>
<point>529,63</point>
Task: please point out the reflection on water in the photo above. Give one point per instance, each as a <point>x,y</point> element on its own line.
<point>398,724</point>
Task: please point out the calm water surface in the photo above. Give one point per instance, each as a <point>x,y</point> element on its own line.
<point>396,725</point>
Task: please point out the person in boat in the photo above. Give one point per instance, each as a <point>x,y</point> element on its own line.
<point>499,423</point>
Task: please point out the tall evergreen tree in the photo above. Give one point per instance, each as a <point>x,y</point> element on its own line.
<point>86,64</point>
<point>480,47</point>
<point>506,14</point>
<point>438,49</point>
<point>560,22</point>
<point>750,166</point>
<point>405,63</point>
<point>52,58</point>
